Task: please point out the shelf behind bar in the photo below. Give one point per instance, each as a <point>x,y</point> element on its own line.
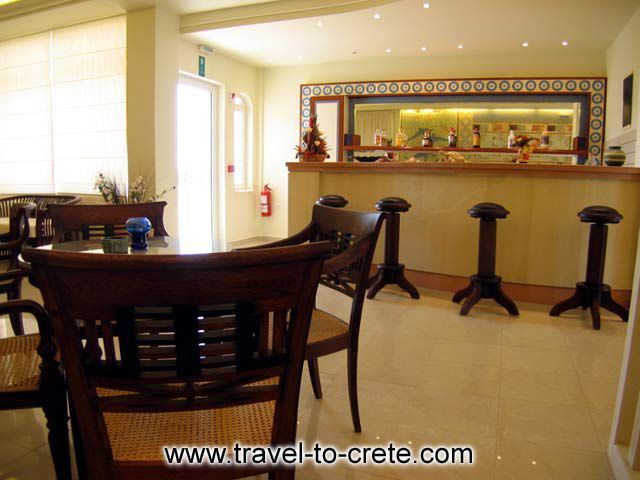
<point>365,148</point>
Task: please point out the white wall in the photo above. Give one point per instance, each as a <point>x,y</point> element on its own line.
<point>240,213</point>
<point>282,97</point>
<point>623,58</point>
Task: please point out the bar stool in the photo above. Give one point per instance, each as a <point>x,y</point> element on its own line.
<point>486,284</point>
<point>336,201</point>
<point>592,293</point>
<point>390,271</point>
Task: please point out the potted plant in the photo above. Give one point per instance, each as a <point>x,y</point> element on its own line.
<point>313,147</point>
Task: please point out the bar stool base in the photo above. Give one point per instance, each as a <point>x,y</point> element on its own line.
<point>484,287</point>
<point>592,297</point>
<point>389,275</point>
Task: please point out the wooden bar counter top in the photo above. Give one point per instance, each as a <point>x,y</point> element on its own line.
<point>541,247</point>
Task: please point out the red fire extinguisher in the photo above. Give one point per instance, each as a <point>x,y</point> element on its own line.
<point>265,201</point>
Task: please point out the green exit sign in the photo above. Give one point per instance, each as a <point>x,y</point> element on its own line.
<point>201,66</point>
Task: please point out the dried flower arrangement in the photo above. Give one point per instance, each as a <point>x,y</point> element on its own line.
<point>314,146</point>
<point>114,194</point>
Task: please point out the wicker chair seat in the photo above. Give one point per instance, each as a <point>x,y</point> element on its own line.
<point>325,326</point>
<point>19,363</point>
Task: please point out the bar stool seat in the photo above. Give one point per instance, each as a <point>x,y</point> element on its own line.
<point>593,293</point>
<point>486,284</point>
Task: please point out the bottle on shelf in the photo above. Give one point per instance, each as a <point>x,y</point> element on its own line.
<point>544,138</point>
<point>476,136</point>
<point>427,140</point>
<point>401,138</point>
<point>383,138</point>
<point>453,139</point>
<point>376,138</point>
<point>511,141</point>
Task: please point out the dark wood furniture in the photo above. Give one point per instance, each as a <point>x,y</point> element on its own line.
<point>43,226</point>
<point>11,245</point>
<point>336,201</point>
<point>75,222</point>
<point>390,272</point>
<point>486,284</point>
<point>353,236</point>
<point>30,377</point>
<point>593,293</point>
<point>192,364</point>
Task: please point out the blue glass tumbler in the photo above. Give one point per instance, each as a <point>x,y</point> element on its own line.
<point>138,228</point>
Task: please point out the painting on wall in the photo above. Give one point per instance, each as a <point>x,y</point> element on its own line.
<point>627,100</point>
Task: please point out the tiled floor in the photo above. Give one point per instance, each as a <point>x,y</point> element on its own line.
<point>534,395</point>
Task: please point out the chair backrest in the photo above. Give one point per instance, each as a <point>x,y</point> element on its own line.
<point>353,236</point>
<point>11,245</point>
<point>84,222</point>
<point>192,331</point>
<point>41,200</point>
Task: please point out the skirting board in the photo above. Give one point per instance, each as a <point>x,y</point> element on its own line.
<point>517,291</point>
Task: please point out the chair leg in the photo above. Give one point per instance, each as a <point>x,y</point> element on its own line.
<point>378,283</point>
<point>595,314</point>
<point>288,473</point>
<point>81,465</point>
<point>610,304</point>
<point>502,299</point>
<point>15,319</point>
<point>570,303</point>
<point>352,374</point>
<point>474,298</point>
<point>314,374</point>
<point>55,411</point>
<point>464,293</point>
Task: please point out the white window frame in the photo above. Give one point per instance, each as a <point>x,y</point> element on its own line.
<point>242,103</point>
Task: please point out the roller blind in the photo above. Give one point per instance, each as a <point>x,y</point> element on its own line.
<point>26,161</point>
<point>89,103</point>
<point>63,108</point>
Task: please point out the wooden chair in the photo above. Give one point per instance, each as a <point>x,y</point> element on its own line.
<point>11,245</point>
<point>193,363</point>
<point>30,377</point>
<point>353,236</point>
<point>42,231</point>
<point>84,222</point>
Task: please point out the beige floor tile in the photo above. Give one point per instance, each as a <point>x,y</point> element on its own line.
<point>34,465</point>
<point>541,386</point>
<point>595,364</point>
<point>535,359</point>
<point>472,414</point>
<point>536,333</point>
<point>11,452</point>
<point>468,329</point>
<point>25,427</point>
<point>526,461</point>
<point>459,378</point>
<point>600,392</point>
<point>547,424</point>
<point>602,420</point>
<point>466,353</point>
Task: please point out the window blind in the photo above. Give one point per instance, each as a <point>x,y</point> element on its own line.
<point>25,115</point>
<point>89,104</point>
<point>63,108</point>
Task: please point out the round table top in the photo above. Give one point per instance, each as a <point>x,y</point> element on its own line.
<point>157,246</point>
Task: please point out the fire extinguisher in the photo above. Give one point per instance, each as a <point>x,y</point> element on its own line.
<point>265,201</point>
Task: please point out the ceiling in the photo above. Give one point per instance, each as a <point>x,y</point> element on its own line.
<point>495,27</point>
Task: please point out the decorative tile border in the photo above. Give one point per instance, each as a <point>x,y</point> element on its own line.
<point>595,88</point>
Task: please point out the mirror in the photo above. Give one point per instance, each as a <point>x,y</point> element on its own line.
<point>330,113</point>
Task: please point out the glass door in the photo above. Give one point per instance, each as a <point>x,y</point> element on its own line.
<point>197,100</point>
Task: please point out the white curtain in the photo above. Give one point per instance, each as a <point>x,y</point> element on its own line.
<point>89,104</point>
<point>366,123</point>
<point>63,108</point>
<point>25,115</point>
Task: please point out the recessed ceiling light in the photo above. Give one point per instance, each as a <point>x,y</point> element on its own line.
<point>270,60</point>
<point>377,16</point>
<point>525,44</point>
<point>565,43</point>
<point>460,46</point>
<point>319,24</point>
<point>426,5</point>
<point>299,57</point>
<point>424,49</point>
<point>388,50</point>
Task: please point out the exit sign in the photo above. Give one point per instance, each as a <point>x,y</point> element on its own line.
<point>201,66</point>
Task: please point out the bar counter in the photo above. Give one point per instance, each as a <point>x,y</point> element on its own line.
<point>542,245</point>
